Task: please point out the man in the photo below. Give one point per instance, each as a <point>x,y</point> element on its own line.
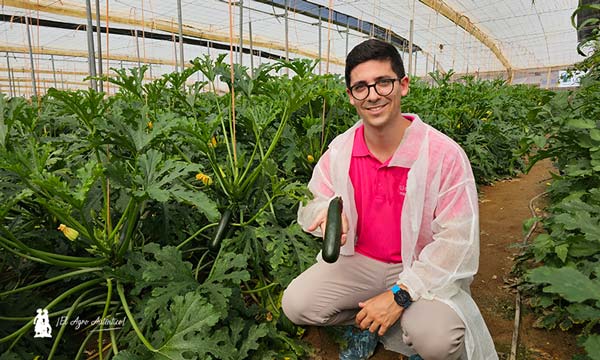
<point>410,237</point>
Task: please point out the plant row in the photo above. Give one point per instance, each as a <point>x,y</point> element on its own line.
<point>171,207</point>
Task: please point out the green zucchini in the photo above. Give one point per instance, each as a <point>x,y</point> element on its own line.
<point>333,231</point>
<point>215,243</point>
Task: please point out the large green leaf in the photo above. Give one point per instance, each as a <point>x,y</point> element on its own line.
<point>567,282</point>
<point>582,123</point>
<point>592,346</point>
<point>187,329</point>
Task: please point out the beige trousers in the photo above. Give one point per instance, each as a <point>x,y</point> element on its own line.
<point>328,294</point>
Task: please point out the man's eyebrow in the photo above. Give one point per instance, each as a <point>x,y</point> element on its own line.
<point>362,82</point>
<point>382,77</point>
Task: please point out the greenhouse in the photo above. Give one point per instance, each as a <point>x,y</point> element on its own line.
<point>168,169</point>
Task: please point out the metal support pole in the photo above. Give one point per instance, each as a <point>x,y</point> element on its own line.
<point>241,61</point>
<point>410,47</point>
<point>415,67</point>
<point>251,49</point>
<point>320,40</point>
<point>175,54</point>
<point>347,34</point>
<point>53,71</point>
<point>11,90</point>
<point>180,20</point>
<point>90,40</point>
<point>99,39</point>
<point>31,58</point>
<point>16,87</point>
<point>287,44</point>
<point>137,49</point>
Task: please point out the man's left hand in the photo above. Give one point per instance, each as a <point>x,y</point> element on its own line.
<point>379,312</point>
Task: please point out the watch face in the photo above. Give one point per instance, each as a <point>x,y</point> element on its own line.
<point>402,297</point>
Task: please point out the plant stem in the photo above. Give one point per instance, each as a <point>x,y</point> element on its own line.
<point>193,236</point>
<point>108,297</point>
<point>132,320</point>
<point>64,325</point>
<point>51,280</point>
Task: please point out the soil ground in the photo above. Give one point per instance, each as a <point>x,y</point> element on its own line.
<point>503,207</point>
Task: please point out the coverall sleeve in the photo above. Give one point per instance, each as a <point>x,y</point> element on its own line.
<point>453,253</point>
<point>321,187</point>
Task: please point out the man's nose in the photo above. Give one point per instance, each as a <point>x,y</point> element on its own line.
<point>373,95</point>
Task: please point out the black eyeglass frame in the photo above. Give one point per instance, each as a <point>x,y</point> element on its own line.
<point>374,85</point>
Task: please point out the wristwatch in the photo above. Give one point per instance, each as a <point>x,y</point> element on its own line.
<point>401,296</point>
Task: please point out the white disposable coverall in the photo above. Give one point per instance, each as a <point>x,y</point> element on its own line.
<point>439,222</point>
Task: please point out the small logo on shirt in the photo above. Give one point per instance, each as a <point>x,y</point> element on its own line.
<point>402,189</point>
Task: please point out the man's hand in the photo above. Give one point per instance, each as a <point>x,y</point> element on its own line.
<point>321,221</point>
<point>379,312</point>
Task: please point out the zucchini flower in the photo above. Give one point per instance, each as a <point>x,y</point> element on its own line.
<point>213,142</point>
<point>70,233</point>
<point>206,180</point>
<point>150,125</point>
<point>310,159</point>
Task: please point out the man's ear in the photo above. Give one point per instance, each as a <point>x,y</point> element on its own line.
<point>404,82</point>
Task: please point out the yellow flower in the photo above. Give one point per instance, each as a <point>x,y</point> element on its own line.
<point>70,233</point>
<point>206,180</point>
<point>150,125</point>
<point>213,142</point>
<point>310,158</point>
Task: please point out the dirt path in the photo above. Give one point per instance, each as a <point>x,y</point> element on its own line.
<point>503,208</point>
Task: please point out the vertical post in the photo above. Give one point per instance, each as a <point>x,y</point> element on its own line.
<point>320,35</point>
<point>410,47</point>
<point>175,54</point>
<point>251,49</point>
<point>11,84</point>
<point>426,64</point>
<point>548,78</point>
<point>415,67</point>
<point>151,75</point>
<point>287,44</point>
<point>433,67</point>
<point>137,49</point>
<point>347,34</point>
<point>62,81</point>
<point>90,41</point>
<point>241,61</point>
<point>31,58</point>
<point>53,71</point>
<point>99,40</point>
<point>180,20</point>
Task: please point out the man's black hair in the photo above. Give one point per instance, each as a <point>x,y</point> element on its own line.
<point>374,49</point>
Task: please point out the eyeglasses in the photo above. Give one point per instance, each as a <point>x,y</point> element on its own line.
<point>383,87</point>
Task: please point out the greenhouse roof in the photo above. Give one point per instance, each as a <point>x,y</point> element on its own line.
<point>467,36</point>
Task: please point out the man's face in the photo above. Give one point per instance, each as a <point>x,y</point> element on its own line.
<point>377,110</point>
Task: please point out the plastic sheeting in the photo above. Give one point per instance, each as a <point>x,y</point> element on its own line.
<point>528,35</point>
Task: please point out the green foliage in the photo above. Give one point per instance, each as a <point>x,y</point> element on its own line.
<point>143,177</point>
<point>487,118</point>
<point>559,268</point>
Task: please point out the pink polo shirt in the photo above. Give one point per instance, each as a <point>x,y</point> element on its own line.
<point>379,192</point>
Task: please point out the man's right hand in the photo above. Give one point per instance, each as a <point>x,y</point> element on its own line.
<point>321,221</point>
